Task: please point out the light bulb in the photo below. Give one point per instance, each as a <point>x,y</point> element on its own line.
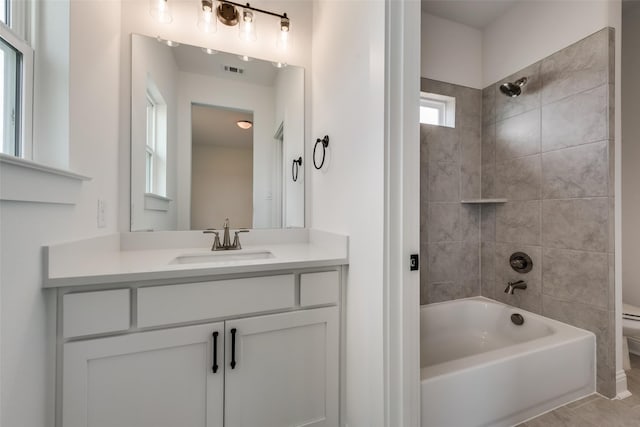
<point>209,51</point>
<point>160,11</point>
<point>207,22</point>
<point>283,37</point>
<point>248,26</point>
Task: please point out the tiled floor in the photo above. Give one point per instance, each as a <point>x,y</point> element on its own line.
<point>596,411</point>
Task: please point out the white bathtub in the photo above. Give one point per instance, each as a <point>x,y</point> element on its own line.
<point>480,369</point>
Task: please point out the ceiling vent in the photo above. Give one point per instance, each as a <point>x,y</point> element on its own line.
<point>234,70</point>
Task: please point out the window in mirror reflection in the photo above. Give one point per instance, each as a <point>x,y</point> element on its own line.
<point>156,142</point>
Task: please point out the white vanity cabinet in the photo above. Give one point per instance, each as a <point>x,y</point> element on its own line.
<point>148,379</point>
<point>276,367</point>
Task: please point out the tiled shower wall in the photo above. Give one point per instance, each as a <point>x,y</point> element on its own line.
<point>549,152</point>
<point>450,171</point>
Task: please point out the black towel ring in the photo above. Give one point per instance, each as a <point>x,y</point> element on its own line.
<point>325,143</point>
<point>295,166</point>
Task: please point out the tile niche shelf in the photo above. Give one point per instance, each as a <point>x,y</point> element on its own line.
<point>482,201</point>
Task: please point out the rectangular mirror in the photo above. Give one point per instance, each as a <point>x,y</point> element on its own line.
<point>214,136</point>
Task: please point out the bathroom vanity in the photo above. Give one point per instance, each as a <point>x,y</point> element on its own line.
<point>154,329</point>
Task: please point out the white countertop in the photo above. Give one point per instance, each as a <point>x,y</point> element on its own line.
<point>134,257</point>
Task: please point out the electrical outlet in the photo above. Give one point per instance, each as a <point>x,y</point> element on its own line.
<point>102,214</point>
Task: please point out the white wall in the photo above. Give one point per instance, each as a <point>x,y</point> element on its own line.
<point>154,61</point>
<point>348,82</point>
<point>450,52</point>
<point>532,30</point>
<point>630,152</point>
<point>289,89</point>
<point>208,90</point>
<point>213,199</point>
<point>86,133</point>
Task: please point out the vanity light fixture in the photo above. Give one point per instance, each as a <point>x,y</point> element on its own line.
<point>228,13</point>
<point>244,124</point>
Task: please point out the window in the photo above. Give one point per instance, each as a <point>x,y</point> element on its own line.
<point>16,81</point>
<point>156,142</point>
<point>437,109</point>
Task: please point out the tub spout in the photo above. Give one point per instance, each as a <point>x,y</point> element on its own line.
<point>512,286</point>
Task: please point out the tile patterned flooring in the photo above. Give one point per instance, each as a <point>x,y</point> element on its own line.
<point>597,411</point>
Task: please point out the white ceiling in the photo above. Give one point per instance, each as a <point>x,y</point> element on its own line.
<point>192,59</point>
<point>217,126</point>
<point>474,13</point>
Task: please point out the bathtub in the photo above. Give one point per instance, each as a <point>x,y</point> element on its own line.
<point>480,369</point>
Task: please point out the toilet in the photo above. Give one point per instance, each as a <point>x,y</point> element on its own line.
<point>631,331</point>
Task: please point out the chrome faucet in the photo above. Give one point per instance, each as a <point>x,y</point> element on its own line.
<point>226,240</point>
<point>512,286</point>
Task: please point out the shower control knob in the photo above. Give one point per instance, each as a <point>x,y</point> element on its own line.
<point>521,262</point>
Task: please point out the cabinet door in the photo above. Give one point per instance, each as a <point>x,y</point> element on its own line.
<point>149,379</point>
<point>286,370</point>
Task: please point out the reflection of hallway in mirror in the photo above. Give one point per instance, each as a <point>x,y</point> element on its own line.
<point>221,168</point>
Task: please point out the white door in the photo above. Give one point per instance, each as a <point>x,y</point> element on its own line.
<point>149,379</point>
<point>285,372</point>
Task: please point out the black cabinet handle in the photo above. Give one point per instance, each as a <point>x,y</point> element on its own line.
<point>214,368</point>
<point>233,348</point>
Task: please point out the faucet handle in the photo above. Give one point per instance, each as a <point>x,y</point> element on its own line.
<point>236,239</point>
<point>216,240</point>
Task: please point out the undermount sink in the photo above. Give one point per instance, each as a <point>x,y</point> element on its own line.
<point>222,256</point>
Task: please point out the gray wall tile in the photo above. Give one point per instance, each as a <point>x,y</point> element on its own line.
<point>470,102</point>
<point>469,223</point>
<point>446,291</point>
<point>518,136</point>
<point>471,146</point>
<point>581,66</point>
<point>576,276</point>
<point>443,222</point>
<point>519,179</point>
<point>576,172</point>
<point>489,143</point>
<point>580,224</point>
<point>489,104</point>
<point>578,119</point>
<point>528,100</point>
<point>444,182</point>
<point>518,222</point>
<point>487,260</point>
<point>488,223</point>
<point>488,184</point>
<point>443,260</point>
<point>443,144</point>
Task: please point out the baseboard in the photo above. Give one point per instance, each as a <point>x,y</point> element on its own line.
<point>634,346</point>
<point>621,386</point>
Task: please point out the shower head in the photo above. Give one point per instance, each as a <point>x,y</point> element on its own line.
<point>513,89</point>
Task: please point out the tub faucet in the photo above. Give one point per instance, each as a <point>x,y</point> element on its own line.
<point>512,286</point>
